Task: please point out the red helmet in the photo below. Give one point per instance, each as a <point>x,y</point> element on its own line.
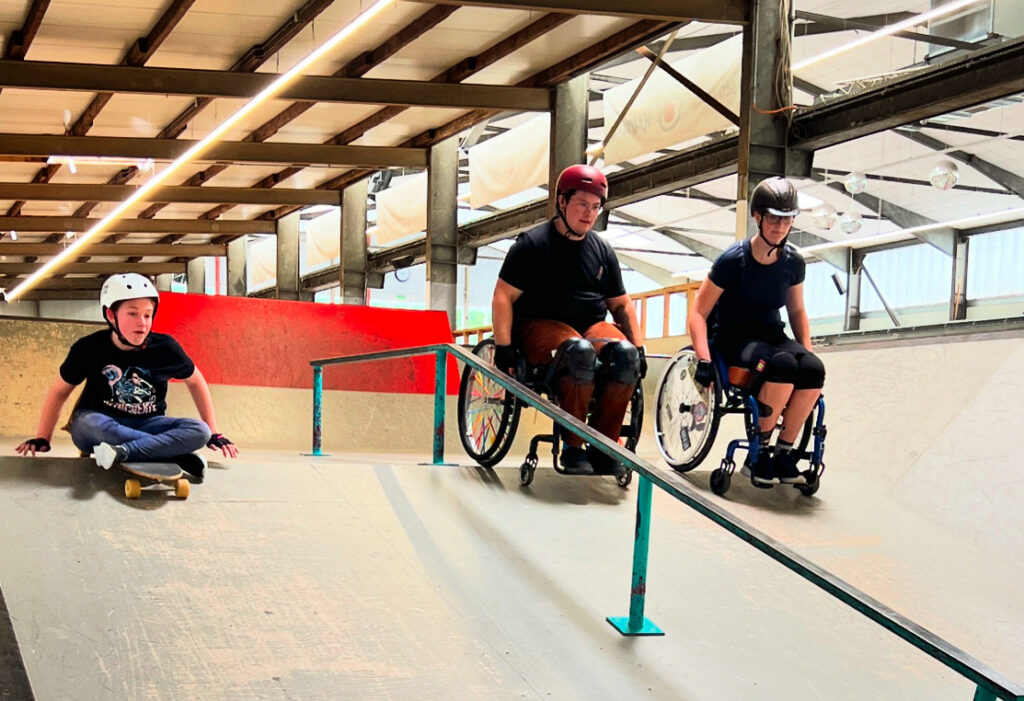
<point>585,178</point>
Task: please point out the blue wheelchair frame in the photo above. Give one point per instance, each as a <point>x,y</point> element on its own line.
<point>736,400</point>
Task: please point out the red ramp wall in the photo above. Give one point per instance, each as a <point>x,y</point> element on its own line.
<point>269,343</point>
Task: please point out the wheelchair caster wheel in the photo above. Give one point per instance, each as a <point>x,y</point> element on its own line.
<point>624,479</point>
<point>812,485</point>
<point>527,469</point>
<point>720,481</point>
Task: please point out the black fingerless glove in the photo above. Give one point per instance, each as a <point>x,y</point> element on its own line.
<point>704,375</point>
<point>218,440</point>
<point>505,359</point>
<point>643,362</point>
<point>40,445</point>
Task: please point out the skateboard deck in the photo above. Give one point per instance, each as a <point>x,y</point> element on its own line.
<point>168,473</point>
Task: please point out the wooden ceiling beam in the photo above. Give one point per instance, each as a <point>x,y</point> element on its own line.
<point>75,192</point>
<point>712,11</point>
<point>139,226</point>
<point>51,75</point>
<point>177,250</point>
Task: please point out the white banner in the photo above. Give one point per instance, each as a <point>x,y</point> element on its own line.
<point>665,113</point>
<point>323,239</point>
<point>509,163</point>
<point>261,263</point>
<point>401,209</point>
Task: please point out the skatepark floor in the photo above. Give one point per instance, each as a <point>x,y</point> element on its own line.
<point>378,577</point>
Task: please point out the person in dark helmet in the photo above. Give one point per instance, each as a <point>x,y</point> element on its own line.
<point>557,285</point>
<point>738,306</point>
<point>120,414</point>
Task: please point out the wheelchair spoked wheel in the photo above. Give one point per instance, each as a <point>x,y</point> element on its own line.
<point>632,425</point>
<point>488,415</point>
<point>687,416</point>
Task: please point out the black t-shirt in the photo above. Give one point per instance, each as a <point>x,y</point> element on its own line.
<point>562,280</point>
<point>125,383</point>
<point>752,293</point>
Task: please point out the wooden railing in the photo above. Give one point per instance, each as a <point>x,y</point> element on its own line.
<point>473,335</point>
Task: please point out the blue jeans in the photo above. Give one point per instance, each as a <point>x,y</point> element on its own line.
<point>145,438</point>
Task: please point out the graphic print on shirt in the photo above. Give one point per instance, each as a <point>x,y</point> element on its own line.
<point>131,391</point>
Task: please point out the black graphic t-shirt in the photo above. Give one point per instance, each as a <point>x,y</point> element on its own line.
<point>562,280</point>
<point>125,383</point>
<point>752,293</point>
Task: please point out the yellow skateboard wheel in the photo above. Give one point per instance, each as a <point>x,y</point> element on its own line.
<point>132,489</point>
<point>182,488</point>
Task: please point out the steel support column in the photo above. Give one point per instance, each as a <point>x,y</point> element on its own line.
<point>288,257</point>
<point>762,138</point>
<point>353,243</point>
<point>442,227</point>
<point>851,319</point>
<point>568,131</point>
<point>958,289</point>
<point>237,283</point>
<point>197,276</point>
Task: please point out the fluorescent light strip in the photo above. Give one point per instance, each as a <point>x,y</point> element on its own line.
<point>886,31</point>
<point>193,152</point>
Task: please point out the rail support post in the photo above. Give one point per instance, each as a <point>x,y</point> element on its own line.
<point>318,402</point>
<point>635,623</point>
<point>440,382</point>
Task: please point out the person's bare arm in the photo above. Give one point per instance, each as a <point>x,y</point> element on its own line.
<point>697,318</point>
<point>798,320</point>
<point>53,402</point>
<point>624,313</point>
<point>200,392</point>
<point>504,297</point>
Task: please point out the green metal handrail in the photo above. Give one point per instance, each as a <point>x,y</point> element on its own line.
<point>990,684</point>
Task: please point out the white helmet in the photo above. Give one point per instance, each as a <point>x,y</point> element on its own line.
<point>122,286</point>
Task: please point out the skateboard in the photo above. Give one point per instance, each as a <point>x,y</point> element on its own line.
<point>151,473</point>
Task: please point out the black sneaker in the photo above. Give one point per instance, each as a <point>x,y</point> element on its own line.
<point>763,473</point>
<point>574,461</point>
<point>604,464</point>
<point>786,469</point>
<point>192,463</point>
<point>106,455</point>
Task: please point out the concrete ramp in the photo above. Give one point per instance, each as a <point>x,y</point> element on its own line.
<point>373,576</point>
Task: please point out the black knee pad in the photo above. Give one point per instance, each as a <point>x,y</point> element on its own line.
<point>782,368</point>
<point>810,373</point>
<point>576,359</point>
<point>619,361</point>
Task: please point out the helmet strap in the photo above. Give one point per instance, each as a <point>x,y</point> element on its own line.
<point>120,336</point>
<point>775,248</point>
<point>571,233</point>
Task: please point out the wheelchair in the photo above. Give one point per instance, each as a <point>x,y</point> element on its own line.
<point>688,415</point>
<point>489,416</point>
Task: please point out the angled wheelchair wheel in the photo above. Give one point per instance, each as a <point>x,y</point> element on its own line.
<point>633,422</point>
<point>687,414</point>
<point>488,415</point>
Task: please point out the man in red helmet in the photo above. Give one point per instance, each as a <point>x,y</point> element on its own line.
<point>555,289</point>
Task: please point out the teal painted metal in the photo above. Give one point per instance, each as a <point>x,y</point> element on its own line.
<point>635,623</point>
<point>987,679</point>
<point>983,694</point>
<point>318,403</point>
<point>440,383</point>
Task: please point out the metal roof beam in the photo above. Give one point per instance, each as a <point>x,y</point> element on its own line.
<point>977,78</point>
<point>713,11</point>
<point>96,268</point>
<point>140,226</point>
<point>74,192</point>
<point>246,152</point>
<point>177,250</point>
<point>39,75</point>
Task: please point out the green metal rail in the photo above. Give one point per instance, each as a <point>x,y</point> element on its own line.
<point>990,684</point>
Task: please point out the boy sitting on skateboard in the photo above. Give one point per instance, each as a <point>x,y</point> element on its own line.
<point>120,415</point>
